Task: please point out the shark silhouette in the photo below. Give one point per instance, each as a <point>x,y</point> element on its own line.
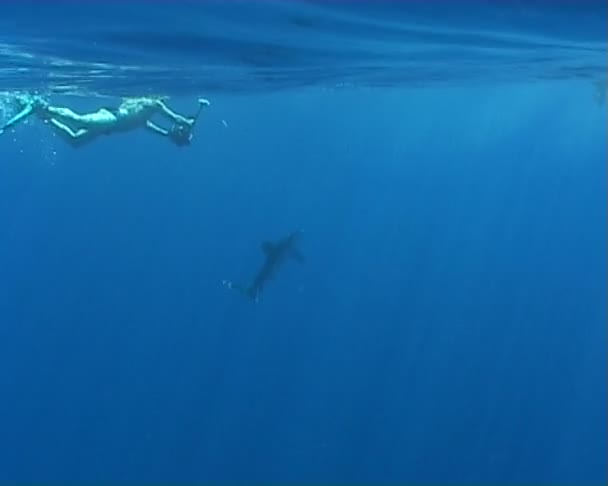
<point>276,253</point>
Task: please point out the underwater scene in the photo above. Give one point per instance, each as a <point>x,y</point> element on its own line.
<point>305,242</point>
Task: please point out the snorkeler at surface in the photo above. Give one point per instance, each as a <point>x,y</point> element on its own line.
<point>133,113</point>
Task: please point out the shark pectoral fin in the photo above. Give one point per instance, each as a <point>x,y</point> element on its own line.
<point>296,255</point>
<point>235,286</point>
<point>253,293</point>
<point>267,247</point>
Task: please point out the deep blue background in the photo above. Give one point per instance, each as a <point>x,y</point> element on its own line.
<point>448,327</point>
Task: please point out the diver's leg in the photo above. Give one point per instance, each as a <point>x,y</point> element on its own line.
<point>65,113</point>
<point>177,118</point>
<point>99,122</point>
<point>76,138</point>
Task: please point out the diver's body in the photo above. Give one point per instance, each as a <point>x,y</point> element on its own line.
<point>276,254</point>
<point>133,113</point>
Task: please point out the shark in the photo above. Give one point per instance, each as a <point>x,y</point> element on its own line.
<point>276,254</point>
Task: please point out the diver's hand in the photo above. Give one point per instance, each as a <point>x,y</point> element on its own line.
<point>203,102</point>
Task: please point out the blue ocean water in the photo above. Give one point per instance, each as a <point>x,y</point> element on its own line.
<point>446,162</point>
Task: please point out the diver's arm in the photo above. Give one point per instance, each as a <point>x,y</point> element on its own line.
<point>77,138</point>
<point>64,129</point>
<point>173,116</point>
<point>156,129</point>
<point>177,118</point>
<point>202,102</point>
